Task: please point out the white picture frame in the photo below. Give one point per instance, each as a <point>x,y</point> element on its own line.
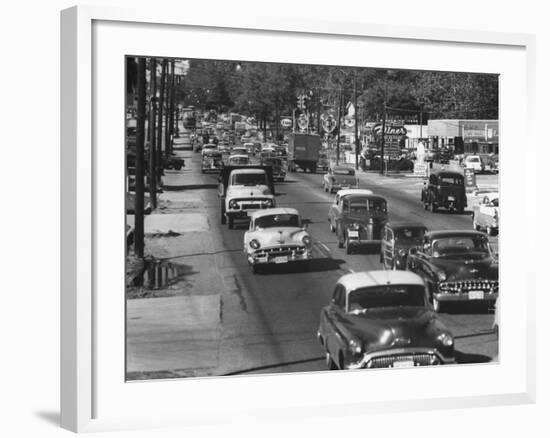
<point>83,369</point>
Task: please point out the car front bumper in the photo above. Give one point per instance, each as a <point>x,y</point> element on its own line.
<point>279,256</point>
<point>409,357</point>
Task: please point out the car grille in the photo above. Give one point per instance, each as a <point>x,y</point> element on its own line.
<point>469,285</point>
<point>251,204</point>
<point>419,359</point>
<point>284,250</point>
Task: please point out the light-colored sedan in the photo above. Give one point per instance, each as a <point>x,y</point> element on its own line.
<point>340,177</point>
<point>276,236</point>
<point>474,162</point>
<point>485,215</point>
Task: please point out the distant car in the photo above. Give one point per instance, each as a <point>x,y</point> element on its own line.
<point>456,266</point>
<point>276,236</point>
<point>323,162</point>
<point>209,146</point>
<point>238,160</point>
<point>485,215</point>
<point>361,221</point>
<point>239,151</point>
<point>444,189</point>
<point>249,148</point>
<point>381,319</point>
<point>474,162</point>
<point>397,239</point>
<point>211,161</point>
<point>335,210</point>
<point>277,165</point>
<point>340,177</point>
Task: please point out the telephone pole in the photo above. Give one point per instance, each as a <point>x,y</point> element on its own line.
<point>152,136</point>
<point>171,111</point>
<point>356,124</point>
<point>339,125</point>
<point>160,118</point>
<point>140,142</point>
<point>167,115</point>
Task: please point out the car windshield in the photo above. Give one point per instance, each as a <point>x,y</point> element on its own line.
<point>392,295</point>
<point>349,172</point>
<point>277,220</point>
<point>249,179</point>
<point>460,246</point>
<point>446,180</point>
<point>409,233</point>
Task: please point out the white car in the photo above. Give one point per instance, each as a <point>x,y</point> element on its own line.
<point>209,147</point>
<point>276,236</point>
<point>474,162</point>
<point>485,215</point>
<point>238,160</point>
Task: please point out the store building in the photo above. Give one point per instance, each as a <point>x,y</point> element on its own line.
<point>464,136</point>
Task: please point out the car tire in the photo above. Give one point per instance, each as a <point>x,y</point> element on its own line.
<point>460,210</point>
<point>340,240</point>
<point>326,188</point>
<point>348,247</point>
<point>426,206</point>
<point>489,231</point>
<point>223,218</point>
<point>437,305</point>
<point>331,365</point>
<point>230,223</point>
<point>331,227</point>
<point>433,207</point>
<point>254,268</point>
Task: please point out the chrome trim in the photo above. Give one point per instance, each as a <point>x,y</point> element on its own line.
<point>367,357</point>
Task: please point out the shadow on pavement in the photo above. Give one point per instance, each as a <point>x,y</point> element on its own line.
<point>313,265</point>
<point>464,358</point>
<point>189,187</point>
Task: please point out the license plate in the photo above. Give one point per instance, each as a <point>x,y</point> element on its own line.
<point>451,198</point>
<point>403,364</point>
<point>353,233</point>
<point>475,295</point>
<point>283,259</point>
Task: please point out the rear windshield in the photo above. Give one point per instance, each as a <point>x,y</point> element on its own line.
<point>344,172</point>
<point>386,296</point>
<point>451,180</point>
<point>249,179</point>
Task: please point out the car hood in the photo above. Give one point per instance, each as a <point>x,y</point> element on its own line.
<point>277,236</point>
<point>396,327</point>
<point>248,191</point>
<point>457,269</point>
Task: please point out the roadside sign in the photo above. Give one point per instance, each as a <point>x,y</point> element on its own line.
<point>286,123</point>
<point>421,169</point>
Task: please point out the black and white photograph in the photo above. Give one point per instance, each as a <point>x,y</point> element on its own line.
<point>287,218</point>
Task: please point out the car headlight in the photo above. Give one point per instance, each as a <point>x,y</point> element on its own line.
<point>402,252</point>
<point>441,276</point>
<point>307,240</point>
<point>254,244</point>
<point>355,226</point>
<point>355,346</point>
<point>232,204</point>
<point>446,339</point>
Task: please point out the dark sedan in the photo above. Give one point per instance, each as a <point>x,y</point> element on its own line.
<point>456,266</point>
<point>397,239</point>
<point>381,319</point>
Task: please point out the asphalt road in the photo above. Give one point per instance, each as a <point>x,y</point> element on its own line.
<point>267,322</point>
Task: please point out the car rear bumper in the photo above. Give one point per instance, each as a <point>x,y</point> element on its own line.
<point>467,296</point>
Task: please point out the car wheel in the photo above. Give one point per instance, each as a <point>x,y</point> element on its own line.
<point>223,218</point>
<point>331,365</point>
<point>433,207</point>
<point>489,231</point>
<point>231,223</point>
<point>331,227</point>
<point>340,239</point>
<point>254,268</point>
<point>474,225</point>
<point>425,206</point>
<point>326,188</point>
<point>347,245</point>
<point>460,210</point>
<point>436,305</point>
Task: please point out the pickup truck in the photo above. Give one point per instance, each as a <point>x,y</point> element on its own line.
<point>244,189</point>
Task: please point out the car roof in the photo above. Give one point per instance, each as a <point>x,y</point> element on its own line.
<point>271,211</point>
<point>345,192</point>
<point>253,170</point>
<point>454,233</point>
<point>394,225</point>
<point>358,280</point>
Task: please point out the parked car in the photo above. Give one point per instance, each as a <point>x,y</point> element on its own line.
<point>381,319</point>
<point>361,221</point>
<point>485,215</point>
<point>340,177</point>
<point>444,189</point>
<point>397,239</point>
<point>276,236</point>
<point>474,162</point>
<point>456,266</point>
<point>335,210</point>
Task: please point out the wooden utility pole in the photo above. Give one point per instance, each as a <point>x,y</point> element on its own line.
<point>382,146</point>
<point>171,110</point>
<point>356,124</point>
<point>140,143</point>
<point>167,114</point>
<point>319,111</point>
<point>340,98</point>
<point>152,136</point>
<point>160,118</point>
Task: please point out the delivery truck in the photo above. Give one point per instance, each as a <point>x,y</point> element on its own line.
<point>303,152</point>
